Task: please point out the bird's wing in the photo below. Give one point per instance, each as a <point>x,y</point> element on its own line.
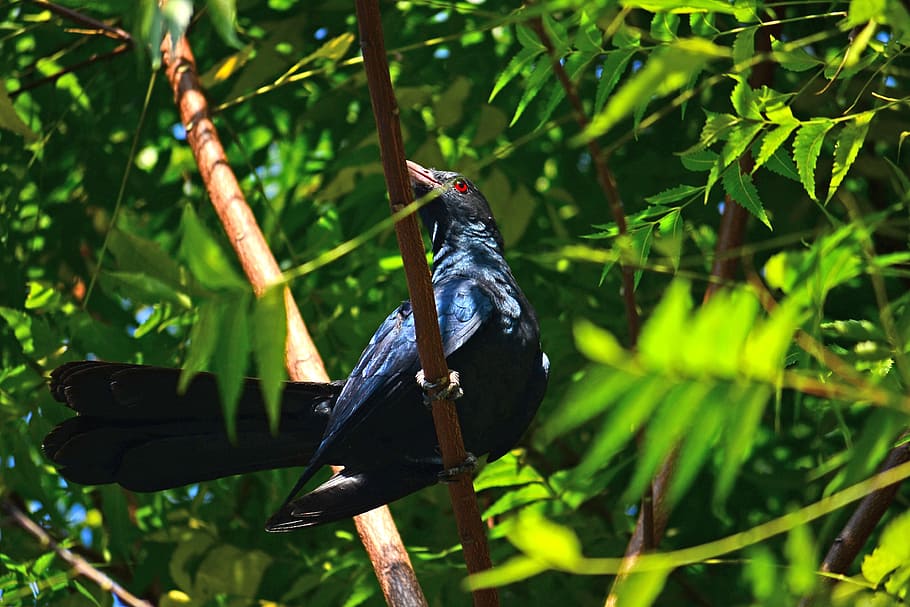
<point>389,363</point>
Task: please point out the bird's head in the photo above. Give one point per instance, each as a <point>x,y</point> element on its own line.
<point>458,209</point>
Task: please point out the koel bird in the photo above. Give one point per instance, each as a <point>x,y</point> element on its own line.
<point>133,428</point>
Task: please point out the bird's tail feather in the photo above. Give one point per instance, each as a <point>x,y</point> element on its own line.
<point>348,494</point>
<point>134,429</point>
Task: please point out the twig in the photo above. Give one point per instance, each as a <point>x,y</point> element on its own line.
<point>730,238</point>
<point>376,528</point>
<point>79,564</point>
<point>429,342</point>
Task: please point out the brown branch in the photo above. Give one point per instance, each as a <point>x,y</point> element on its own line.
<point>853,536</point>
<point>79,564</point>
<point>604,176</point>
<point>731,235</point>
<point>110,31</point>
<point>429,342</point>
<point>376,528</point>
<point>91,23</point>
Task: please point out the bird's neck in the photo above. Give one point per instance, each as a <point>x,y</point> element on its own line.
<point>468,248</point>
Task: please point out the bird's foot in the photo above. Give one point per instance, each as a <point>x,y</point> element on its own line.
<point>447,388</point>
<point>468,465</point>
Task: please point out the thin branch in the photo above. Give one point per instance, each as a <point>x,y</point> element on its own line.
<point>376,528</point>
<point>604,176</point>
<point>853,536</point>
<point>79,564</point>
<point>429,342</point>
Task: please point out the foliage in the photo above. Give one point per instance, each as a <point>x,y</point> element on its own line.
<point>111,250</point>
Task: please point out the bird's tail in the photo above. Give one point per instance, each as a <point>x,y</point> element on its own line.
<point>133,428</point>
<point>348,494</point>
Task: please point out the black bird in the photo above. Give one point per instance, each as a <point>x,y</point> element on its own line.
<point>134,429</point>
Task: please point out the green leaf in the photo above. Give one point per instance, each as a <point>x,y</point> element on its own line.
<point>224,19</point>
<point>205,258</point>
<point>892,555</point>
<point>793,59</point>
<point>717,128</point>
<point>613,69</point>
<point>771,141</point>
<point>806,148</point>
<point>528,39</point>
<point>542,72</point>
<point>741,189</point>
<point>744,47</point>
<point>665,326</point>
<point>589,39</point>
<point>231,358</point>
<point>9,117</point>
<point>681,6</point>
<point>546,541</point>
<point>699,160</point>
<point>738,141</point>
<point>514,68</point>
<point>743,100</point>
<point>664,26</point>
<point>666,71</point>
<point>748,401</point>
<point>203,340</point>
<point>673,194</point>
<point>269,333</point>
<point>135,254</point>
<point>508,471</point>
<point>846,149</point>
<point>557,33</point>
<point>781,164</point>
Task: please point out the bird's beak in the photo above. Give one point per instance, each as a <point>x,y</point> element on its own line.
<point>421,176</point>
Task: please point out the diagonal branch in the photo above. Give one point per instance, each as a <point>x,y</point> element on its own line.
<point>429,341</point>
<point>376,528</point>
<point>79,564</point>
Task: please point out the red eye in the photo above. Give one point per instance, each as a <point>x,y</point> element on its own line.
<point>460,186</point>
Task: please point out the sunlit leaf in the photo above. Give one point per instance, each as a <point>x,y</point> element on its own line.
<point>806,148</point>
<point>849,142</point>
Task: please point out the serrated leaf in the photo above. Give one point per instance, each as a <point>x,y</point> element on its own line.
<point>892,552</point>
<point>528,39</point>
<point>613,69</point>
<point>667,70</point>
<point>742,98</point>
<point>744,47</point>
<point>781,164</point>
<point>793,60</point>
<point>771,141</point>
<point>231,358</point>
<point>741,189</point>
<point>848,145</point>
<point>806,148</point>
<point>557,33</point>
<point>673,194</point>
<point>664,26</point>
<point>738,141</point>
<point>699,160</point>
<point>269,335</point>
<point>589,39</point>
<point>513,69</point>
<point>717,127</point>
<point>542,71</point>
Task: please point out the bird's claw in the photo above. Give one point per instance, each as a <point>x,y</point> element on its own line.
<point>468,465</point>
<point>447,388</point>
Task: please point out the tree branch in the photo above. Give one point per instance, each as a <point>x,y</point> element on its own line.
<point>79,564</point>
<point>429,341</point>
<point>376,528</point>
